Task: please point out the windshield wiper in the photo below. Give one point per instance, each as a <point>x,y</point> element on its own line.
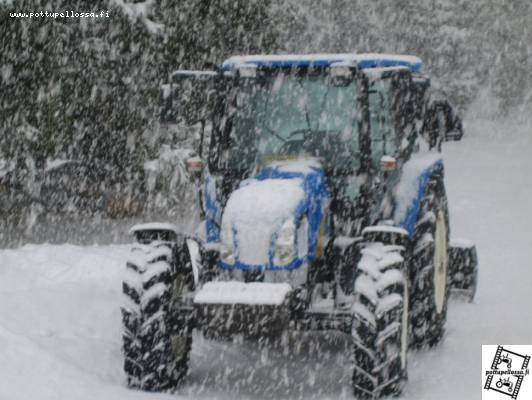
<point>322,107</point>
<point>308,119</point>
<point>264,125</point>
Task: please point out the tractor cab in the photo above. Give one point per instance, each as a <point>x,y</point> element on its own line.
<point>351,115</point>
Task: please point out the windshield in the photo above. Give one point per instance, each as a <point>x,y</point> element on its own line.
<point>290,115</point>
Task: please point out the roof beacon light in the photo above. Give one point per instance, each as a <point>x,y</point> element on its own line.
<point>342,70</point>
<point>247,70</point>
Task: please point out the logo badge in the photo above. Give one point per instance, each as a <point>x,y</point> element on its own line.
<point>505,372</point>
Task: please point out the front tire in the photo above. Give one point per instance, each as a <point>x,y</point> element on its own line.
<point>380,322</point>
<point>156,341</point>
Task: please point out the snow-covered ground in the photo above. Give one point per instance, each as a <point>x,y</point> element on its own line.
<point>60,319</point>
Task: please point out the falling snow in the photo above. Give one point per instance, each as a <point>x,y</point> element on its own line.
<point>100,119</point>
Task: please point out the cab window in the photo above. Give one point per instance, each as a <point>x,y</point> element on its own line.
<point>382,129</point>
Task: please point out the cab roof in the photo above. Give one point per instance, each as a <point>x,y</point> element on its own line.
<point>325,60</point>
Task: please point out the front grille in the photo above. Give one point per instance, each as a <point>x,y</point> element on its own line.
<point>224,320</point>
<point>253,276</point>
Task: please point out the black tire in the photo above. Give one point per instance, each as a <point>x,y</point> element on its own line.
<point>430,282</point>
<point>156,341</point>
<point>380,322</point>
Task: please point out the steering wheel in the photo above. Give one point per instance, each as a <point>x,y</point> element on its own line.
<point>315,142</point>
<point>291,145</point>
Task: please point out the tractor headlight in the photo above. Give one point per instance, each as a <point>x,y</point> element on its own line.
<point>285,244</point>
<point>226,245</point>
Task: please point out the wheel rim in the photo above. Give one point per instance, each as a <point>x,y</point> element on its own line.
<point>440,261</point>
<point>404,329</point>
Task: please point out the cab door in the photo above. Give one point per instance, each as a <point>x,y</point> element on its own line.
<point>392,134</point>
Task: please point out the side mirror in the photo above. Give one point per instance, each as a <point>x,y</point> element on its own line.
<point>195,165</point>
<point>450,124</point>
<point>455,132</point>
<point>388,163</point>
<point>453,135</point>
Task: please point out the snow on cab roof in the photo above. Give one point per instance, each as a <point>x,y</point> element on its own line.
<point>368,60</point>
<point>153,226</point>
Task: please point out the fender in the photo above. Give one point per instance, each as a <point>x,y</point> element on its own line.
<point>412,186</point>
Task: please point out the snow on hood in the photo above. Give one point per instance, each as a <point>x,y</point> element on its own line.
<point>270,200</point>
<point>256,210</point>
<point>261,205</point>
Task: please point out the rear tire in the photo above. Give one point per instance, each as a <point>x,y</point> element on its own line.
<point>430,259</point>
<point>156,341</point>
<point>380,322</point>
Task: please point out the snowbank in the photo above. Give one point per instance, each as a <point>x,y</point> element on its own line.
<point>60,323</point>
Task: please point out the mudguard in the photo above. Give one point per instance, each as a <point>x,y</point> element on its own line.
<point>412,186</point>
<point>463,265</point>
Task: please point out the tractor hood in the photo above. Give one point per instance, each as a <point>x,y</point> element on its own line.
<point>278,198</point>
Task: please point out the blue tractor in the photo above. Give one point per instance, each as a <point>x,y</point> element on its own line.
<point>324,208</point>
